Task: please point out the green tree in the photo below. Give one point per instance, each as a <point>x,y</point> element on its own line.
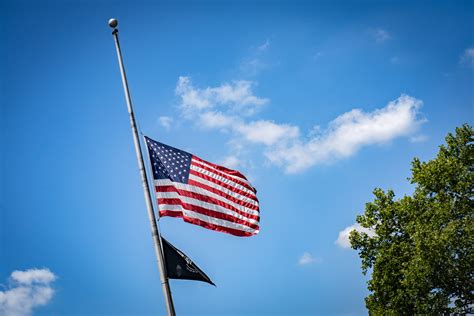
<point>421,256</point>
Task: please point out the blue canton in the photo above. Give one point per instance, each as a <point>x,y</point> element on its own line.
<point>168,162</point>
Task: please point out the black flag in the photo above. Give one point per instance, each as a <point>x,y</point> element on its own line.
<point>179,266</point>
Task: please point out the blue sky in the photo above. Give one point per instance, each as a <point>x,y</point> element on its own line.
<point>317,102</point>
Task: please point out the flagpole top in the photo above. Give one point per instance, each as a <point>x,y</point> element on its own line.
<point>113,23</point>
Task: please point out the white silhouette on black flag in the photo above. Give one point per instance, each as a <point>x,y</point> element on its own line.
<point>179,266</point>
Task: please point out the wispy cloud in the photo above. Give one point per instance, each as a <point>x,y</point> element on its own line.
<point>165,121</point>
<point>307,259</point>
<point>467,57</point>
<point>264,46</point>
<point>317,55</point>
<point>418,138</point>
<point>254,63</point>
<point>25,291</point>
<point>381,35</point>
<point>394,60</point>
<point>343,238</point>
<point>283,143</point>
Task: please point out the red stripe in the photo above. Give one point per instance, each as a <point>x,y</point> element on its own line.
<point>207,225</point>
<point>219,192</point>
<point>223,169</point>
<point>205,211</point>
<point>197,164</point>
<point>204,198</point>
<point>222,184</point>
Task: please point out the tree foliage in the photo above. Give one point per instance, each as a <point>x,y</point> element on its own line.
<point>421,256</point>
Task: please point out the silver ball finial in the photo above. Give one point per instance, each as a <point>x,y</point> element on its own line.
<point>113,23</point>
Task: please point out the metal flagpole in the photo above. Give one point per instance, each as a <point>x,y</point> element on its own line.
<point>151,215</point>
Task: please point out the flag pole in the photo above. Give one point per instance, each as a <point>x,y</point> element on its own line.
<point>146,189</point>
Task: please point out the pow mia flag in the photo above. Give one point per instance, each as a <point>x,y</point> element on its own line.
<point>179,266</point>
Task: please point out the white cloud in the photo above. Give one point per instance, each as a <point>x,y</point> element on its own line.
<point>239,93</point>
<point>231,162</point>
<point>33,275</point>
<point>283,144</point>
<point>343,238</point>
<point>27,290</point>
<point>213,119</point>
<point>467,58</point>
<point>307,259</point>
<point>267,132</point>
<point>348,133</point>
<point>258,132</point>
<point>381,35</point>
<point>165,121</point>
<point>190,97</point>
<point>236,96</point>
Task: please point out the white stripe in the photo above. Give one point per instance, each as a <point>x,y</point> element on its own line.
<point>208,219</point>
<point>230,175</point>
<point>192,188</point>
<point>222,179</point>
<point>222,171</point>
<point>222,189</point>
<point>170,207</point>
<point>209,206</point>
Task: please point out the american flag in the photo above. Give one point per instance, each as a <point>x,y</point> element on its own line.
<point>202,193</point>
